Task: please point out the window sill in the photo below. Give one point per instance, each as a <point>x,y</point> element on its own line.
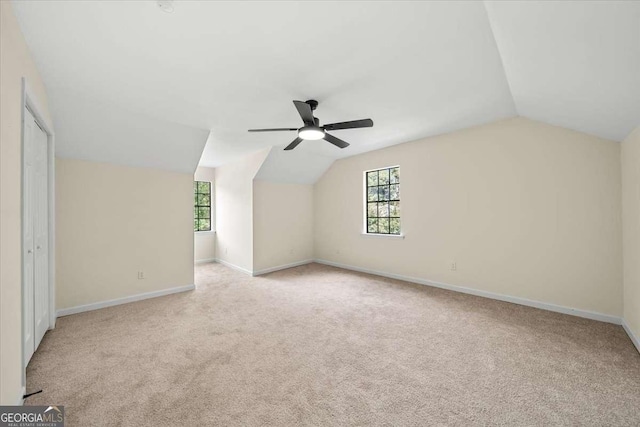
<point>205,232</point>
<point>392,236</point>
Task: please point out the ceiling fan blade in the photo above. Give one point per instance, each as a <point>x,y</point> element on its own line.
<point>335,141</point>
<point>305,111</point>
<point>294,144</point>
<point>271,130</point>
<point>364,123</point>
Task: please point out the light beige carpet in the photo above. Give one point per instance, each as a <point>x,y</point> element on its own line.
<point>320,346</point>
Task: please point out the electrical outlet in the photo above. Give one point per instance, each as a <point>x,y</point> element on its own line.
<point>140,274</point>
<point>453,266</point>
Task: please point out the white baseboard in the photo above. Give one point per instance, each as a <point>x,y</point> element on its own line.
<point>266,270</point>
<point>515,300</point>
<point>204,261</point>
<point>235,267</point>
<point>125,300</point>
<point>634,339</point>
<point>282,267</point>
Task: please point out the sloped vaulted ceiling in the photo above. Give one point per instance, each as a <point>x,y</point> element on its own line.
<point>574,64</point>
<point>416,68</point>
<point>91,130</point>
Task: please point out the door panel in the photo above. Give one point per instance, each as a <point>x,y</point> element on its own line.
<point>41,236</point>
<point>35,236</point>
<point>28,237</point>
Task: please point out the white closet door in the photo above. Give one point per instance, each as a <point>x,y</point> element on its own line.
<point>41,236</point>
<point>35,236</point>
<point>28,236</point>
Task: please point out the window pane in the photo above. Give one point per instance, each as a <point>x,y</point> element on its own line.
<point>383,176</point>
<point>204,224</point>
<point>195,224</point>
<point>383,193</point>
<point>204,200</point>
<point>204,213</point>
<point>372,178</point>
<point>372,209</point>
<point>383,209</point>
<point>394,208</point>
<point>395,176</point>
<point>203,187</point>
<point>394,226</point>
<point>383,225</point>
<point>394,192</point>
<point>372,194</point>
<point>372,225</point>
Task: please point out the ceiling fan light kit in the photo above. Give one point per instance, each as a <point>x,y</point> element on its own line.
<point>313,131</point>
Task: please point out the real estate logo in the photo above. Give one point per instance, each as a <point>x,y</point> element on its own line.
<point>31,416</point>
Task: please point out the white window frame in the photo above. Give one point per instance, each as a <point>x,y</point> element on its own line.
<point>364,231</point>
<point>212,212</point>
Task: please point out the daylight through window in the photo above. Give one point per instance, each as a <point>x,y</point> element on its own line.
<point>202,210</point>
<point>383,201</point>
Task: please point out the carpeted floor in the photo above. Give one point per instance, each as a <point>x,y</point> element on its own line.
<point>320,346</point>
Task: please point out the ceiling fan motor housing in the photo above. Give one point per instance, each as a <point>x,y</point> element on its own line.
<point>312,129</point>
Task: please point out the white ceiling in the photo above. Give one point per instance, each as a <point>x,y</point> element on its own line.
<point>573,64</point>
<point>296,166</point>
<point>91,130</point>
<point>415,68</point>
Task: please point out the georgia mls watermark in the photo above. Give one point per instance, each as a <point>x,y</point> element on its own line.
<point>31,416</point>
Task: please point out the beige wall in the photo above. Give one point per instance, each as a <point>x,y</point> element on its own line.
<point>113,221</point>
<point>234,210</point>
<point>282,224</point>
<point>524,209</point>
<point>15,62</point>
<point>205,241</point>
<point>631,229</point>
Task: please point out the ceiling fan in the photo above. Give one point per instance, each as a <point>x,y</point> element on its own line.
<point>312,129</point>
